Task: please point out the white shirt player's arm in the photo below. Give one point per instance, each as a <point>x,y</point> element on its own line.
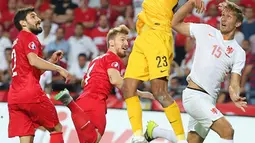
<point>236,71</point>
<point>178,23</point>
<point>116,80</point>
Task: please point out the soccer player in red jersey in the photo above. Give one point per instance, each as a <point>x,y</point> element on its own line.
<point>28,105</point>
<point>88,111</point>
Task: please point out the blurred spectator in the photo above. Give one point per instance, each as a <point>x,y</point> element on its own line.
<point>137,4</point>
<point>70,24</point>
<point>239,37</point>
<point>212,8</point>
<point>119,7</point>
<point>175,70</point>
<point>59,44</point>
<point>13,33</point>
<point>4,43</point>
<point>252,41</point>
<point>46,81</point>
<point>103,9</point>
<point>175,88</point>
<point>48,15</point>
<point>85,15</point>
<point>3,6</point>
<point>46,37</point>
<point>5,74</point>
<point>246,45</point>
<point>212,14</point>
<point>21,4</point>
<point>247,3</point>
<point>8,15</point>
<point>58,82</point>
<point>60,10</point>
<point>29,2</point>
<point>180,39</point>
<point>99,33</point>
<point>248,26</point>
<point>187,62</point>
<point>80,43</point>
<point>247,48</point>
<point>95,3</point>
<point>43,5</point>
<point>249,75</point>
<point>79,70</point>
<point>119,21</point>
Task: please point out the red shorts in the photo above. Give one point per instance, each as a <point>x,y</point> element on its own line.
<point>95,109</point>
<point>25,118</point>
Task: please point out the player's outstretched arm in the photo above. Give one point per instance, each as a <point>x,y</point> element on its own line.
<point>41,64</point>
<point>246,72</point>
<point>234,91</point>
<point>145,94</point>
<point>116,80</point>
<point>55,57</point>
<point>178,23</point>
<point>115,77</point>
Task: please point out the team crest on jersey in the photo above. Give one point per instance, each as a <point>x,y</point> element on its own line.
<point>230,50</point>
<point>115,64</point>
<point>32,46</point>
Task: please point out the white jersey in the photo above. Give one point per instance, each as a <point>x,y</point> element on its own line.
<point>214,58</point>
<point>46,78</point>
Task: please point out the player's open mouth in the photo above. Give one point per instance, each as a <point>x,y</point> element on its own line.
<point>224,25</point>
<point>125,48</point>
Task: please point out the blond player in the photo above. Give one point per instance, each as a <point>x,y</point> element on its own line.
<point>150,59</point>
<point>217,53</point>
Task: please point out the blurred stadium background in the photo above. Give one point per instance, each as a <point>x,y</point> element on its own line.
<point>79,27</point>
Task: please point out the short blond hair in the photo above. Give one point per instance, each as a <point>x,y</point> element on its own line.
<point>116,30</point>
<point>235,8</point>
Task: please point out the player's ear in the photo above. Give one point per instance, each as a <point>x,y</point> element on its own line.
<point>23,23</point>
<point>111,42</point>
<point>238,24</point>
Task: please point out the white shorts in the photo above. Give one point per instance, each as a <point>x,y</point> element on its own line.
<point>201,107</point>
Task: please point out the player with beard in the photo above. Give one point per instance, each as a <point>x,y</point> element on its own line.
<point>28,105</point>
<point>88,111</point>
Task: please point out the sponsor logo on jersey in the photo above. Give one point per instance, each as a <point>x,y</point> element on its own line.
<point>32,46</point>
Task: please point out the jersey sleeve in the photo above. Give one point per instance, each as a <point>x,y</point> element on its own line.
<point>239,63</point>
<point>113,63</point>
<point>196,29</point>
<point>31,45</point>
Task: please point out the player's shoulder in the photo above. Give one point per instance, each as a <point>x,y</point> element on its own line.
<point>201,27</point>
<point>111,56</point>
<point>239,48</point>
<point>27,36</point>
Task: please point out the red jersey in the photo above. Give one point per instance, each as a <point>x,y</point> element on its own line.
<point>97,83</point>
<point>25,87</point>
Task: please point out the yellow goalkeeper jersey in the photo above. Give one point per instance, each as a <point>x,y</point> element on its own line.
<point>156,14</point>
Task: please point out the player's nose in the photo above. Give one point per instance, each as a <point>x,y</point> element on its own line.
<point>39,20</point>
<point>126,43</point>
